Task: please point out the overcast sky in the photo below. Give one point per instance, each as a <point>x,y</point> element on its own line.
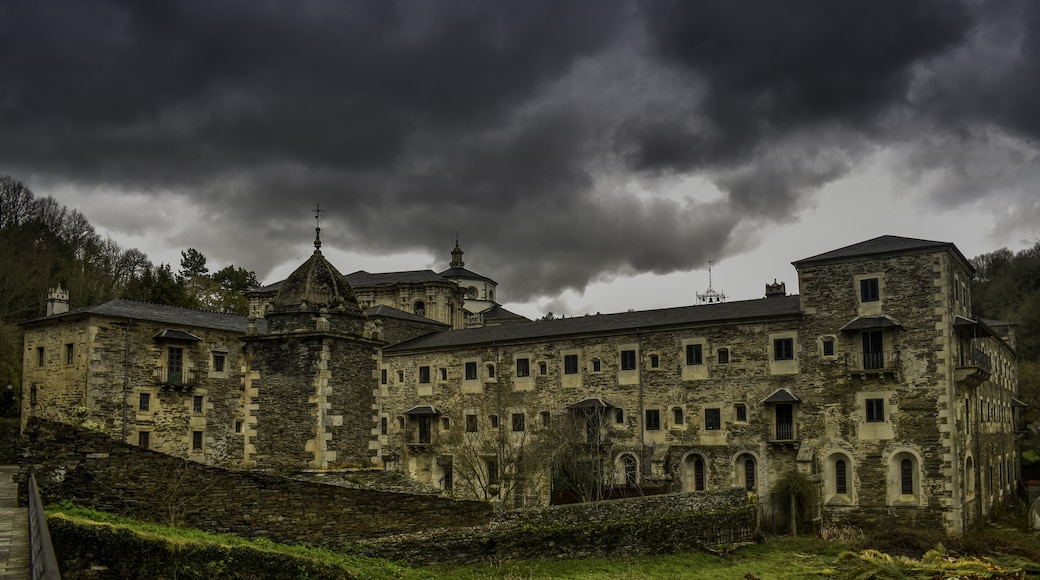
<point>593,154</point>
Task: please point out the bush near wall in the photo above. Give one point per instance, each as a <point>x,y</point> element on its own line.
<point>650,525</point>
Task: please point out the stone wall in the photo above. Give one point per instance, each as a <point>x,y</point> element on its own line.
<point>647,525</point>
<point>91,469</point>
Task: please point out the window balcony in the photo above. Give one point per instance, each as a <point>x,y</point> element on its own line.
<point>782,432</point>
<point>975,367</point>
<point>177,379</point>
<point>872,363</point>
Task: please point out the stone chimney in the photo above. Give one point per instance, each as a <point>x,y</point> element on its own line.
<point>776,289</point>
<point>57,301</point>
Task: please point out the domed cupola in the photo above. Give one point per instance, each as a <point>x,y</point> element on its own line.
<point>316,290</point>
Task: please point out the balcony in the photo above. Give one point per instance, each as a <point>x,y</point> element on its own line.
<point>183,379</point>
<point>975,368</point>
<point>782,432</point>
<point>872,363</point>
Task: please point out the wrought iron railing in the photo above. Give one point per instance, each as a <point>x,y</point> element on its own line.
<point>887,360</point>
<point>782,431</point>
<point>177,378</point>
<point>43,564</point>
<point>979,359</point>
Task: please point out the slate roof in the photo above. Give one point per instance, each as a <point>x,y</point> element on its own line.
<point>867,322</point>
<point>781,396</point>
<point>363,278</point>
<point>779,306</point>
<point>465,275</point>
<point>880,246</point>
<point>496,312</point>
<point>391,312</point>
<point>122,308</point>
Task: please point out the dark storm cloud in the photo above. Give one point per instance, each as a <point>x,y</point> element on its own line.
<point>540,129</point>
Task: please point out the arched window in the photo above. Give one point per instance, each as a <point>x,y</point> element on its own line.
<point>419,308</point>
<point>747,469</point>
<point>906,477</point>
<point>694,473</point>
<point>840,477</point>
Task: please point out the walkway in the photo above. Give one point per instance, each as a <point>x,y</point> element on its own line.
<point>14,528</point>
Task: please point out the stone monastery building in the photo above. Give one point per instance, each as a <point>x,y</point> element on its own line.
<point>876,382</point>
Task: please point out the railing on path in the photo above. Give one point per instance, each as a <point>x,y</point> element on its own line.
<point>42,563</point>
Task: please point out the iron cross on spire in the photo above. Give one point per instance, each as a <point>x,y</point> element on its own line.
<point>317,227</point>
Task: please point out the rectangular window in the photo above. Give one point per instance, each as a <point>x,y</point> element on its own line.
<point>494,421</point>
<point>655,361</point>
<point>144,402</point>
<point>570,364</point>
<point>741,413</point>
<point>783,349</point>
<point>677,417</point>
<point>828,347</point>
<point>382,376</point>
<point>238,426</point>
<point>175,365</point>
<point>619,416</point>
<point>491,371</point>
<point>471,371</point>
<point>400,377</point>
<point>723,356</point>
<point>628,360</point>
<point>875,410</point>
<point>69,353</point>
<point>523,367</point>
<point>425,429</point>
<point>543,369</point>
<point>868,290</point>
<point>218,363</point>
<point>424,374</point>
<point>383,425</point>
<point>595,366</point>
<point>653,420</point>
<point>518,422</point>
<point>196,440</point>
<point>471,423</point>
<point>144,439</point>
<point>712,419</point>
<point>444,374</point>
<point>445,423</point>
<point>196,403</point>
<point>694,354</point>
<point>39,356</point>
<point>546,419</point>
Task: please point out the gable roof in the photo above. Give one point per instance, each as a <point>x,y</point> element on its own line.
<point>779,306</point>
<point>883,245</point>
<point>391,312</point>
<point>122,308</point>
<point>496,312</point>
<point>363,278</point>
<point>464,274</point>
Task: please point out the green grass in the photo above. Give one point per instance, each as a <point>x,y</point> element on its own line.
<point>777,559</point>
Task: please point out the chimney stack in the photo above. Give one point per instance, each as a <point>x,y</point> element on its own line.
<point>776,289</point>
<point>57,301</point>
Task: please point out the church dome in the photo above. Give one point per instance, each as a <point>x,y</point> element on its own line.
<point>315,285</point>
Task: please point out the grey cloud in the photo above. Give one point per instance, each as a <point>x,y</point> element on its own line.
<point>537,128</point>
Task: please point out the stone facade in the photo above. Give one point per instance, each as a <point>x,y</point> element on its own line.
<point>875,382</point>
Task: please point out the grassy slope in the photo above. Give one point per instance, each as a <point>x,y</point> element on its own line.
<point>779,558</point>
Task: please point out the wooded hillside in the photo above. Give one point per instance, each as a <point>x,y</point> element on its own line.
<point>44,244</point>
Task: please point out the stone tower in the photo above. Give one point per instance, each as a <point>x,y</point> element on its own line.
<point>310,380</point>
